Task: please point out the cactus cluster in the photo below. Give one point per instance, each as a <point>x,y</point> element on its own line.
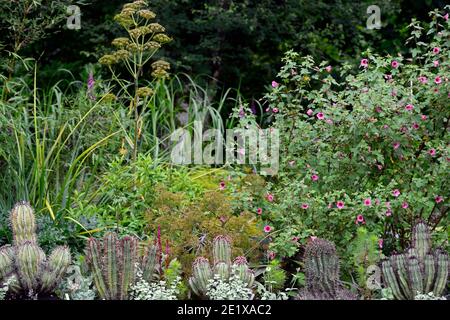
<point>322,273</point>
<point>202,271</point>
<point>24,263</point>
<point>112,262</point>
<point>420,270</point>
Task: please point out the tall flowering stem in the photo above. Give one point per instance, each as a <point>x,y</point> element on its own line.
<point>144,39</point>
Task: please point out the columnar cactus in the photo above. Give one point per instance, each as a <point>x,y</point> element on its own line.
<point>112,262</point>
<point>149,262</point>
<point>25,262</point>
<point>322,273</point>
<point>202,271</point>
<point>23,224</point>
<point>418,271</point>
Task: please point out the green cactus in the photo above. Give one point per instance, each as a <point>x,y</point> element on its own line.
<point>149,263</point>
<point>6,261</point>
<point>23,224</point>
<point>419,270</point>
<point>55,268</point>
<point>112,262</point>
<point>202,271</point>
<point>25,262</point>
<point>222,250</point>
<point>322,273</point>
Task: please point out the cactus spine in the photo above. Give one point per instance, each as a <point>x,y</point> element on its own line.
<point>23,224</point>
<point>149,263</point>
<point>112,262</point>
<point>202,271</point>
<point>25,261</point>
<point>322,273</point>
<point>419,270</point>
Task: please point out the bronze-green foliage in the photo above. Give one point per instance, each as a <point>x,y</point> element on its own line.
<point>420,270</point>
<point>191,226</point>
<point>25,264</point>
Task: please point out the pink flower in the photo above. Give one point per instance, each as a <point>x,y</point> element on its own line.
<point>340,204</point>
<point>312,238</point>
<point>415,126</point>
<point>396,193</point>
<point>368,202</point>
<point>439,199</point>
<point>396,145</point>
<point>259,211</point>
<point>388,77</point>
<point>320,116</point>
<point>405,205</point>
<point>267,229</point>
<point>388,212</point>
<point>305,206</point>
<point>309,112</point>
<point>379,166</point>
<point>388,204</point>
<point>436,50</point>
<point>394,64</point>
<point>437,80</point>
<point>275,84</point>
<point>295,239</point>
<point>423,117</point>
<point>423,79</point>
<point>432,152</point>
<point>222,185</point>
<point>436,63</point>
<point>380,243</point>
<point>446,17</point>
<point>269,197</point>
<point>364,63</point>
<point>359,219</point>
<point>314,177</point>
<point>271,255</point>
<point>409,107</point>
<point>328,69</point>
<point>275,110</point>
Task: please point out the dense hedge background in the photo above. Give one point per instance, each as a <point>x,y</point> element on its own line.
<point>236,42</point>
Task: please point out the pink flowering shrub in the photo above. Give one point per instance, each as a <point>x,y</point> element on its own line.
<point>363,145</point>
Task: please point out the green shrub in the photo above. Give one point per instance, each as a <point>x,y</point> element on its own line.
<point>371,149</point>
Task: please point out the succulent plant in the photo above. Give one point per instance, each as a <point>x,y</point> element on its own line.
<point>322,273</point>
<point>113,264</point>
<point>418,271</point>
<point>24,264</point>
<point>202,272</point>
